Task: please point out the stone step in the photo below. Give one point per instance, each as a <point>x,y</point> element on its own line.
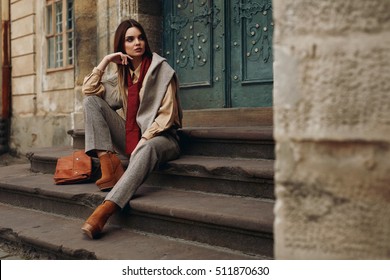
<point>235,176</point>
<point>78,136</point>
<point>50,236</point>
<point>231,222</point>
<point>244,142</point>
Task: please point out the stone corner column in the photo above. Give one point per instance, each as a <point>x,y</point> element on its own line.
<point>332,129</point>
<point>85,52</point>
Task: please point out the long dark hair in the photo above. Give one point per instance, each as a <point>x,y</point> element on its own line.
<point>119,39</point>
<point>119,46</point>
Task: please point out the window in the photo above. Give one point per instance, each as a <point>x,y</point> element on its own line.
<point>59,33</point>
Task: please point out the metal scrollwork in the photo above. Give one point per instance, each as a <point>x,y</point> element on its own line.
<point>204,15</point>
<point>216,16</point>
<point>193,49</point>
<point>257,18</point>
<point>177,23</point>
<point>182,4</point>
<point>250,8</point>
<point>259,44</point>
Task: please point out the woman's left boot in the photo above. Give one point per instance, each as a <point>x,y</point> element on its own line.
<point>112,171</point>
<point>93,226</point>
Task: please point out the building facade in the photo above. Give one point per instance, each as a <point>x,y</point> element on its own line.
<point>222,64</point>
<point>330,96</point>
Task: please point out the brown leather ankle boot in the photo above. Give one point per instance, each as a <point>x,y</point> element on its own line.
<point>93,226</point>
<point>112,171</point>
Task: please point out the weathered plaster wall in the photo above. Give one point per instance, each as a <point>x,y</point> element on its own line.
<point>86,49</point>
<point>332,128</point>
<point>41,101</point>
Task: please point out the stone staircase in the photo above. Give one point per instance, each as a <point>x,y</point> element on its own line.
<point>214,202</point>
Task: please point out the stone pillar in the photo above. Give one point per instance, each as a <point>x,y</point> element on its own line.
<point>85,52</point>
<point>149,14</point>
<point>332,129</point>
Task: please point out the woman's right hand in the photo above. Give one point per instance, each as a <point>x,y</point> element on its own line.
<point>119,58</point>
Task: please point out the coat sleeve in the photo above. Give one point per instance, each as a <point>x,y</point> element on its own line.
<point>108,90</point>
<point>167,114</point>
<point>92,84</point>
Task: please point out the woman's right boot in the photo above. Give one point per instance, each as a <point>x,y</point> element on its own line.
<point>93,226</point>
<point>112,171</point>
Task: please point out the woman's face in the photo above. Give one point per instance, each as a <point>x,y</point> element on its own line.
<point>134,43</point>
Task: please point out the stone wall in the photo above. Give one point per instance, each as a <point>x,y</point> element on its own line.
<point>41,101</point>
<point>332,128</point>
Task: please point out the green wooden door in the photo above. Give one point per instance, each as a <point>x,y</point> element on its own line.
<point>221,50</point>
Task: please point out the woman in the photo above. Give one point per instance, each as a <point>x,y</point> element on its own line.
<point>145,87</point>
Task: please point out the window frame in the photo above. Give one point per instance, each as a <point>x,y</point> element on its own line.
<point>67,60</point>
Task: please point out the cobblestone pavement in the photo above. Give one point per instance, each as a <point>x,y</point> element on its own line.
<point>7,254</point>
<point>10,251</point>
<point>6,251</point>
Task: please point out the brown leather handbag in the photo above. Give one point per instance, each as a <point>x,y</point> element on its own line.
<point>75,168</point>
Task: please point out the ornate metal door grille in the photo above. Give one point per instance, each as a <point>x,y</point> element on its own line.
<point>221,50</point>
